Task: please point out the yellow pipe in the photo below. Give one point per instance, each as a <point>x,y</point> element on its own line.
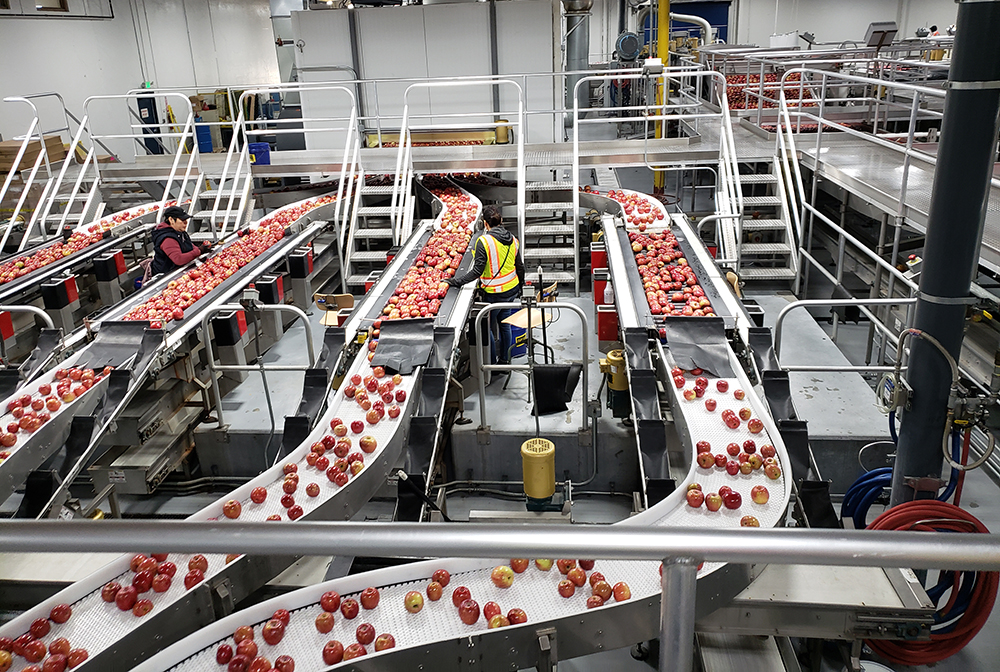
<point>663,53</point>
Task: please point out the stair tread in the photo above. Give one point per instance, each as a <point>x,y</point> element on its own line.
<point>220,215</point>
<point>548,253</point>
<point>357,279</point>
<point>368,255</point>
<point>375,210</point>
<point>376,191</point>
<point>767,274</point>
<point>549,230</point>
<point>761,200</point>
<point>551,276</point>
<point>758,178</point>
<point>762,224</point>
<point>547,186</point>
<point>544,207</point>
<point>373,233</point>
<point>765,248</point>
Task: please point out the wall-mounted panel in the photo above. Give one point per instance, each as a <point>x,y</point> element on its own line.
<point>457,39</point>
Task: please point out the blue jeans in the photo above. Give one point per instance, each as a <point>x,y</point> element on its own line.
<point>500,353</point>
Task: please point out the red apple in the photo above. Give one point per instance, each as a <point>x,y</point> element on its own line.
<point>713,501</point>
<point>385,641</point>
<point>621,591</point>
<point>595,577</point>
<point>75,657</point>
<point>543,564</point>
<point>193,578</point>
<point>519,565</point>
<point>142,607</point>
<point>732,500</point>
<point>491,609</point>
<point>369,598</point>
<point>400,396</point>
<point>468,611</point>
<point>354,651</point>
<point>324,622</point>
<point>330,601</point>
<point>695,498</point>
<point>566,588</point>
<point>349,608</point>
<point>357,426</point>
<point>603,590</point>
<point>167,568</point>
<point>198,562</point>
<point>365,633</point>
<point>60,645</point>
<point>284,663</point>
<point>231,509</point>
<point>333,652</point>
<point>60,613</point>
<point>109,591</point>
<point>739,394</point>
<point>243,632</point>
<point>516,616</point>
<point>441,576</point>
<point>126,598</point>
<point>368,444</point>
<point>460,595</point>
<point>749,521</point>
<point>755,425</point>
<point>223,654</point>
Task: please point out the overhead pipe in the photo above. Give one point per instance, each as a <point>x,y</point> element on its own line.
<point>955,222</point>
<point>706,27</point>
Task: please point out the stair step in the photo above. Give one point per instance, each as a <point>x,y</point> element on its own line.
<point>607,178</point>
<point>548,253</point>
<point>758,178</point>
<point>548,207</point>
<point>761,200</point>
<point>548,277</point>
<point>220,216</point>
<point>374,210</point>
<point>373,233</point>
<point>767,274</point>
<point>357,279</point>
<point>547,186</point>
<point>763,225</point>
<point>369,255</point>
<point>376,191</point>
<point>549,230</point>
<point>765,248</point>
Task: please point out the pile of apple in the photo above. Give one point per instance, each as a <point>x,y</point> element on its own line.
<point>737,86</point>
<point>190,287</point>
<point>26,413</point>
<point>60,249</point>
<point>150,572</point>
<point>738,459</point>
<point>56,656</point>
<point>243,652</point>
<point>640,211</point>
<point>421,290</point>
<point>670,284</point>
<point>439,143</point>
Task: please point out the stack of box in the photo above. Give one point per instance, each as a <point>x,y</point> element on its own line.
<point>9,149</point>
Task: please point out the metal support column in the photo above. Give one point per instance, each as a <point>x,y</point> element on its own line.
<point>954,231</point>
<point>679,583</point>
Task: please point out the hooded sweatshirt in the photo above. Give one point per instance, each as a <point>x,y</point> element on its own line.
<point>504,237</point>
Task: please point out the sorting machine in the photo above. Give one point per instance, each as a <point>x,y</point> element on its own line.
<point>419,397</point>
<point>673,365</point>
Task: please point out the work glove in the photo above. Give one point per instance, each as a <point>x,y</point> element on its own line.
<point>206,247</point>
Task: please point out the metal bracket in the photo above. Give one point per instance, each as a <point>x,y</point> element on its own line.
<point>222,599</point>
<point>548,650</point>
<point>947,300</point>
<point>483,435</point>
<point>924,484</point>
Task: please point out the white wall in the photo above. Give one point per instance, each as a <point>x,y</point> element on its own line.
<point>203,43</point>
<point>836,21</point>
<point>416,42</point>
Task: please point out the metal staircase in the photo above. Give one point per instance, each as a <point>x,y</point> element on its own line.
<point>370,233</point>
<point>767,249</point>
<point>551,242</point>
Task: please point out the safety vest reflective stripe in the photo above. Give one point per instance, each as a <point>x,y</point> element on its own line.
<point>496,279</point>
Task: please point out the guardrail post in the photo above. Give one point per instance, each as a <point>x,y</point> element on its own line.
<point>679,583</point>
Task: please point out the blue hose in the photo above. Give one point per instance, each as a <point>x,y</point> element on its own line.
<point>956,455</point>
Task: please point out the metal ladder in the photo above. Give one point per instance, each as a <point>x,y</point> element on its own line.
<point>767,241</point>
<point>550,244</point>
<point>371,232</point>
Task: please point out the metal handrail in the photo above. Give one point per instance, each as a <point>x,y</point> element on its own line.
<point>830,302</point>
<point>404,155</point>
<point>845,548</point>
<point>31,178</point>
<point>729,176</point>
<point>214,368</point>
<point>482,368</point>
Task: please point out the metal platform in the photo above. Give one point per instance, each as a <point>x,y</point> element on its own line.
<point>874,173</point>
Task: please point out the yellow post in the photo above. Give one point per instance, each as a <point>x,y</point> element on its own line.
<point>663,53</point>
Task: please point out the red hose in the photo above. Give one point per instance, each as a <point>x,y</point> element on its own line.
<point>928,515</point>
<point>961,475</point>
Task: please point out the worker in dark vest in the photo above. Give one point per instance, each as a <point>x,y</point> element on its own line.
<point>498,267</point>
<point>172,246</point>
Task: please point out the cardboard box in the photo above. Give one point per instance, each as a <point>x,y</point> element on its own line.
<point>14,194</point>
<point>9,149</point>
<point>336,308</point>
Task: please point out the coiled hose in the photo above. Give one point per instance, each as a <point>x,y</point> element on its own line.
<point>971,597</point>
